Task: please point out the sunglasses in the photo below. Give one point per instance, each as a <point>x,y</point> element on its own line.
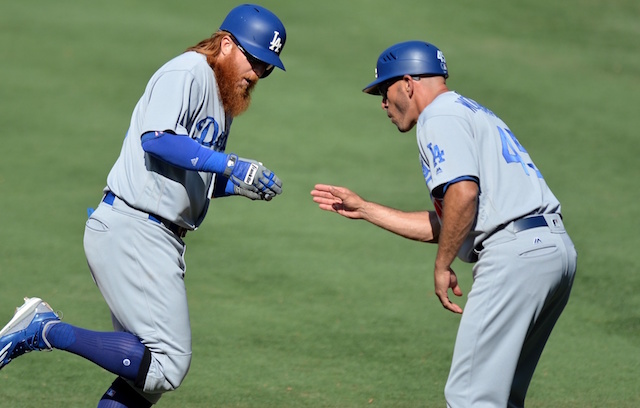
<point>383,88</point>
<point>253,60</point>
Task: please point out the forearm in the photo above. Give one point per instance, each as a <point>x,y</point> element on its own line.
<point>418,226</point>
<point>236,176</point>
<point>184,152</point>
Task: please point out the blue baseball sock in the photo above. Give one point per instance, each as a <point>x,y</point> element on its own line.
<point>118,352</point>
<point>121,395</point>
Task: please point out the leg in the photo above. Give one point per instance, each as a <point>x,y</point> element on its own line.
<point>140,273</point>
<point>139,269</point>
<point>541,329</point>
<point>118,352</point>
<point>512,283</point>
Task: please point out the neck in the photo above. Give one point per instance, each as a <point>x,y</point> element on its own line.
<point>429,93</point>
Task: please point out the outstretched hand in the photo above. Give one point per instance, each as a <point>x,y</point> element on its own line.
<point>340,200</point>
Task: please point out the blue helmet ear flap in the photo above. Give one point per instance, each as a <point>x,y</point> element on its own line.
<point>259,32</point>
<point>408,58</point>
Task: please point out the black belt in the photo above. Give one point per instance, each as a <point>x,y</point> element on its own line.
<point>175,228</point>
<point>519,225</point>
<point>530,222</point>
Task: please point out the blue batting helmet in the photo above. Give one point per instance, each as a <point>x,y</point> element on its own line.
<point>408,58</point>
<point>259,32</point>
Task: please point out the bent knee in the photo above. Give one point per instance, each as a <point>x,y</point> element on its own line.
<point>166,372</point>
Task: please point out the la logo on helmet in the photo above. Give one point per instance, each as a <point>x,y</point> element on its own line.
<point>443,62</point>
<point>276,43</point>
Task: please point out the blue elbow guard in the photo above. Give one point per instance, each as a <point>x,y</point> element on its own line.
<point>184,152</point>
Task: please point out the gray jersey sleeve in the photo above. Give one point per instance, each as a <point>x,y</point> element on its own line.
<point>451,150</point>
<point>167,97</point>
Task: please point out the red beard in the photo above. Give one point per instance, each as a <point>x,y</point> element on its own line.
<point>234,91</point>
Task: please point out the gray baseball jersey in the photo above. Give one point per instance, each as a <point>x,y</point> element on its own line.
<point>150,184</point>
<point>458,137</point>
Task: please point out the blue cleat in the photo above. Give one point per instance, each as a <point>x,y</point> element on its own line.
<point>24,333</point>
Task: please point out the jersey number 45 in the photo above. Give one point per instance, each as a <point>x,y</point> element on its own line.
<point>512,149</point>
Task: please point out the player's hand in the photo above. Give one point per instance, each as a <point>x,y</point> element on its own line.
<point>444,279</point>
<point>251,179</point>
<point>340,200</point>
<point>233,189</point>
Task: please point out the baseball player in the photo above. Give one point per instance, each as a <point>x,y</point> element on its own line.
<point>492,207</point>
<point>172,162</point>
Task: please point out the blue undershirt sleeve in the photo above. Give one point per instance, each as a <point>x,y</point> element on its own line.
<point>184,152</point>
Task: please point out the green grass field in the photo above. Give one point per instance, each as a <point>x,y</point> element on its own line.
<point>292,306</point>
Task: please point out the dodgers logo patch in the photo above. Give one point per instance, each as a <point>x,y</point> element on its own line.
<point>436,153</point>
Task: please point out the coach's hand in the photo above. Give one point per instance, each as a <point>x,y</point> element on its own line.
<point>445,279</point>
<point>251,179</point>
<point>340,200</point>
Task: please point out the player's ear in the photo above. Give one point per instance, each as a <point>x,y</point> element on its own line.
<point>407,83</point>
<point>226,45</point>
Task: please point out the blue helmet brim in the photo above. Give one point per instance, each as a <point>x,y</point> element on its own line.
<point>374,87</point>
